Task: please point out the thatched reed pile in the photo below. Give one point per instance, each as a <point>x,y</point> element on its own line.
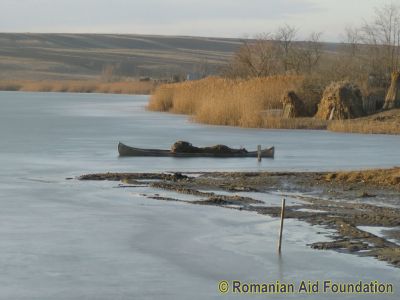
<point>293,106</point>
<point>340,100</point>
<point>392,99</point>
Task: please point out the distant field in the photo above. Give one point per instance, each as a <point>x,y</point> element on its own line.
<point>85,56</point>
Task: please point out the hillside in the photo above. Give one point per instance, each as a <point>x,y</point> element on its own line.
<point>35,56</point>
<point>84,56</point>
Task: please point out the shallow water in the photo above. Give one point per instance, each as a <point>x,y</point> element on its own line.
<point>65,239</point>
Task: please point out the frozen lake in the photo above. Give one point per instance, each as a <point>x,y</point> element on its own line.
<point>63,239</point>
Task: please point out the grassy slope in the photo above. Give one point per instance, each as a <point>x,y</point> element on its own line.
<point>28,56</point>
<point>83,56</point>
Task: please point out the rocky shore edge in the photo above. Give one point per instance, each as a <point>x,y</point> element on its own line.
<point>340,201</point>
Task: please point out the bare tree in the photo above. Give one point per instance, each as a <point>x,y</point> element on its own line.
<point>306,55</point>
<point>383,37</point>
<point>272,54</point>
<point>352,40</point>
<point>256,58</point>
<point>313,51</point>
<point>350,63</point>
<point>202,68</point>
<point>286,36</point>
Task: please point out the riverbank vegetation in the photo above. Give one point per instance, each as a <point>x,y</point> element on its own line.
<point>325,88</point>
<point>377,177</point>
<point>83,86</point>
<point>254,102</point>
<point>387,122</point>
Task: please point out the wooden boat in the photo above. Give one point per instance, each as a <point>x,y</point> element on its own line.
<point>125,150</point>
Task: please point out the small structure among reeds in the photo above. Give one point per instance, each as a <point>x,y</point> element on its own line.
<point>373,101</point>
<point>293,106</point>
<point>340,100</point>
<point>392,99</point>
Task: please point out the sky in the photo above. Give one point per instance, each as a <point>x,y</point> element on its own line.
<point>219,18</point>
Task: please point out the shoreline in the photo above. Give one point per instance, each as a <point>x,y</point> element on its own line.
<point>126,87</point>
<point>339,201</point>
<point>268,102</point>
<point>381,123</point>
<point>67,92</point>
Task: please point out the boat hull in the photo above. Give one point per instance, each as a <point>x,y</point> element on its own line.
<point>125,150</point>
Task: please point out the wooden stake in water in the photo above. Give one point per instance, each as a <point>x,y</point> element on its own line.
<point>281,229</point>
<point>259,152</point>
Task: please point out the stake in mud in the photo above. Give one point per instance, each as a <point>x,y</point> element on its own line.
<point>281,227</point>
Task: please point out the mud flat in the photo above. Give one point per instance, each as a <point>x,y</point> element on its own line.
<point>345,202</point>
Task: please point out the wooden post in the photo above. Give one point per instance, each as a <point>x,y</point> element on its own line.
<point>259,152</point>
<point>281,228</point>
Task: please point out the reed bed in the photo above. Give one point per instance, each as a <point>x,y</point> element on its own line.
<point>75,86</point>
<point>377,177</point>
<point>222,101</point>
<point>385,122</point>
<point>297,123</point>
<point>365,126</point>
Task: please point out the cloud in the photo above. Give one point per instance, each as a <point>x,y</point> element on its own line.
<point>25,14</point>
<point>232,18</point>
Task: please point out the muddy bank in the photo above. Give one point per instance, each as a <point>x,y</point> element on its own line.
<point>340,201</point>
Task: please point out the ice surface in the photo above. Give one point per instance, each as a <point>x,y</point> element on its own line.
<point>380,231</point>
<point>66,239</point>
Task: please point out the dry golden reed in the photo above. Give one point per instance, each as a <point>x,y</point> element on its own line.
<point>297,123</point>
<point>380,177</point>
<point>222,101</point>
<point>75,86</point>
<point>365,126</point>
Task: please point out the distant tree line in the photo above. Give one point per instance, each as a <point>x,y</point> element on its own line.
<point>276,53</point>
<point>369,53</point>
